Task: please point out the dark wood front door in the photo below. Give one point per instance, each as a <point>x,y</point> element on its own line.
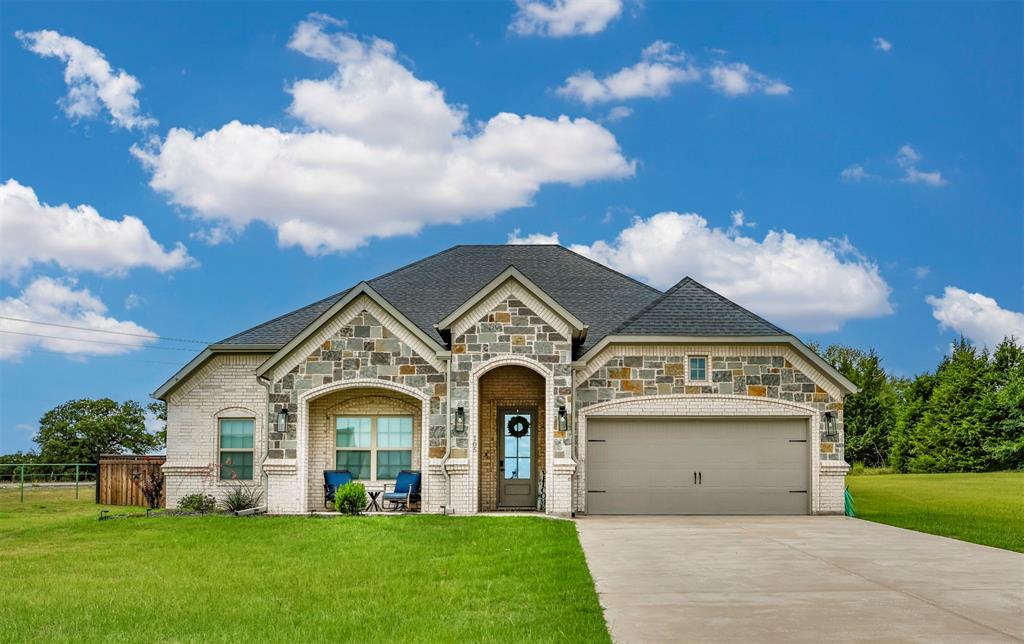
<point>517,462</point>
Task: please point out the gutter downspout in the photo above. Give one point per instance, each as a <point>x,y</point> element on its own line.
<point>448,437</point>
<point>572,443</point>
<point>263,380</point>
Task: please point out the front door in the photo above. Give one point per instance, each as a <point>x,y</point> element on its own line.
<point>517,481</point>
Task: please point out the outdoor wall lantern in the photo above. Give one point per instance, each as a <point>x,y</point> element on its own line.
<point>460,420</point>
<point>563,419</point>
<point>282,420</point>
<point>830,425</point>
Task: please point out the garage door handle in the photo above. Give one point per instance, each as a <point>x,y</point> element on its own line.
<point>695,478</point>
<point>700,478</point>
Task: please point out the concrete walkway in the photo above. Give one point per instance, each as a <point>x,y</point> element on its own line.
<point>798,579</point>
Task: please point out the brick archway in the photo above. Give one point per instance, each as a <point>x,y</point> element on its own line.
<point>505,388</point>
<point>545,410</point>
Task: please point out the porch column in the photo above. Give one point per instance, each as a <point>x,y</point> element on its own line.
<point>283,489</point>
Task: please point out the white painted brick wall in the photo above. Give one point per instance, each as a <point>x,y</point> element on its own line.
<point>225,386</point>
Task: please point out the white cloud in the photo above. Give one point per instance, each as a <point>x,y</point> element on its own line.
<point>58,302</point>
<point>92,83</point>
<point>802,284</point>
<point>907,158</point>
<point>560,18</point>
<point>738,79</point>
<point>76,238</point>
<point>854,173</point>
<point>976,316</point>
<point>381,154</point>
<point>739,222</point>
<point>921,272</point>
<point>133,301</point>
<point>661,67</point>
<point>514,238</point>
<point>618,113</point>
<point>881,44</point>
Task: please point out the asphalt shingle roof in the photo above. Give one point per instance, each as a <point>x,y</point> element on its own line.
<point>607,301</point>
<point>690,308</point>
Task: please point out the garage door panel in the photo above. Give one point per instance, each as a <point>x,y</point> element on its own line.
<point>746,466</point>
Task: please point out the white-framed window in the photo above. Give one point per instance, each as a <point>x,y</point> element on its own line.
<point>697,368</point>
<point>235,448</point>
<point>373,448</point>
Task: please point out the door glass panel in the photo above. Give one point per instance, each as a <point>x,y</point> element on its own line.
<point>517,454</point>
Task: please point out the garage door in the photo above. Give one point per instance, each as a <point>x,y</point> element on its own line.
<point>697,466</point>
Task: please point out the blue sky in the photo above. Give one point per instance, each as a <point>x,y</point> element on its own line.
<point>851,171</point>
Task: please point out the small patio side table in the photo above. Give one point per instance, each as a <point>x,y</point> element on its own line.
<point>374,504</point>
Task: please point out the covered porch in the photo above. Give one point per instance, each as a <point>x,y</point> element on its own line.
<point>374,429</point>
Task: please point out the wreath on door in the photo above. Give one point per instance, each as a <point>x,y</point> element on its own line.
<point>518,426</point>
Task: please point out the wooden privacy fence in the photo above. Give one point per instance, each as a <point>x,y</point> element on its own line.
<point>117,481</point>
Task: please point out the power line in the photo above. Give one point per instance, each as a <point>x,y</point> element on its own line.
<point>120,344</point>
<point>66,354</point>
<point>83,328</point>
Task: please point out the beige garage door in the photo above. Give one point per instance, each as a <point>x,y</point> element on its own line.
<point>697,466</point>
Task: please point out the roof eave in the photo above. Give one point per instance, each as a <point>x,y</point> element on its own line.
<point>182,374</point>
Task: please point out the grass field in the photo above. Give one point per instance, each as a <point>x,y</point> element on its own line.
<point>69,577</point>
<point>986,508</point>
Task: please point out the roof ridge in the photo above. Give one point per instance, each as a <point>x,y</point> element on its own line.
<point>337,295</point>
<point>416,263</point>
<point>608,269</point>
<point>739,306</point>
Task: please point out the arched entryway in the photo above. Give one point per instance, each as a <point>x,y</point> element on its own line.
<point>373,417</point>
<point>511,418</point>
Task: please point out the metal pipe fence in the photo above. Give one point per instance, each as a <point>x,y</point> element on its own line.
<point>48,475</point>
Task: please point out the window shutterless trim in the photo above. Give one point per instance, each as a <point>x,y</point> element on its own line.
<point>235,450</point>
<point>373,449</point>
<point>707,368</point>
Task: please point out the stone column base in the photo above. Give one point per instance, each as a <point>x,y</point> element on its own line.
<point>282,487</point>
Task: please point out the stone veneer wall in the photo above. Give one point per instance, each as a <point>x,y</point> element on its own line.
<point>768,376</point>
<point>512,328</point>
<point>509,329</point>
<point>362,348</point>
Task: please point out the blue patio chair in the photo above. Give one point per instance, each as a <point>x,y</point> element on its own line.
<point>333,479</point>
<point>406,490</point>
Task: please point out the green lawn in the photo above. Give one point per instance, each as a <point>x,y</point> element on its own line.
<point>69,577</point>
<point>982,508</point>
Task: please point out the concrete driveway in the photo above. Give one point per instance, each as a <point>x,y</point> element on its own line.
<point>798,579</point>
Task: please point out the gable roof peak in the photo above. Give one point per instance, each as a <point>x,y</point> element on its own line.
<point>689,308</point>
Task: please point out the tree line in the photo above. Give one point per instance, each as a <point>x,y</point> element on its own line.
<point>966,416</point>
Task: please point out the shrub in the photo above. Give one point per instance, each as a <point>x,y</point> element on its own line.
<point>151,482</point>
<point>243,497</point>
<point>350,498</point>
<point>197,502</point>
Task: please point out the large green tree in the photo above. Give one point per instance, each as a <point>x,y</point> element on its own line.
<point>912,396</point>
<point>950,434</point>
<point>1003,407</point>
<point>869,414</point>
<point>78,431</point>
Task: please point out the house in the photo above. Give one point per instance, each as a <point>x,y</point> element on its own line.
<point>516,377</point>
